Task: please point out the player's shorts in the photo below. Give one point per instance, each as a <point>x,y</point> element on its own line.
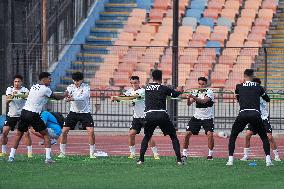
<point>194,125</point>
<point>161,119</point>
<point>73,118</point>
<point>137,124</point>
<point>28,119</point>
<point>266,124</point>
<point>11,122</point>
<point>246,117</point>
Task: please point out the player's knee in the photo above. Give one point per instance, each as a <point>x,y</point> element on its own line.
<point>90,133</point>
<point>19,133</point>
<point>248,135</point>
<point>209,134</point>
<point>27,134</point>
<point>43,132</point>
<point>131,134</point>
<point>187,133</point>
<point>270,137</point>
<point>5,133</point>
<point>65,132</point>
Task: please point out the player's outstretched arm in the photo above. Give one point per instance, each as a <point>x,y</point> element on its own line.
<point>264,95</point>
<point>57,96</point>
<point>119,98</point>
<point>190,100</point>
<point>199,100</point>
<point>237,92</point>
<point>9,98</point>
<point>174,93</point>
<point>24,95</point>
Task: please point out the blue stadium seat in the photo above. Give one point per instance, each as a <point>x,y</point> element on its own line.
<point>196,13</point>
<point>207,22</point>
<point>190,21</point>
<point>198,4</point>
<point>214,44</point>
<point>225,22</point>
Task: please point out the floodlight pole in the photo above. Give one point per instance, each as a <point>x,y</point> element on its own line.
<point>265,64</point>
<point>174,105</point>
<point>10,37</point>
<point>44,36</point>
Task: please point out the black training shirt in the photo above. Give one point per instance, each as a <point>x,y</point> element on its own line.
<point>156,95</point>
<point>248,95</point>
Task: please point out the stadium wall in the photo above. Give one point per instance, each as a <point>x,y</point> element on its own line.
<point>68,54</point>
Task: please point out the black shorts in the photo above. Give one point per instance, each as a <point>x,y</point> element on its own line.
<point>73,118</point>
<point>28,119</point>
<point>11,122</point>
<point>251,117</point>
<point>161,119</point>
<point>266,124</point>
<point>137,124</point>
<point>194,125</point>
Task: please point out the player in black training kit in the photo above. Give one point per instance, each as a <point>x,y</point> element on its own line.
<point>248,95</point>
<point>156,114</point>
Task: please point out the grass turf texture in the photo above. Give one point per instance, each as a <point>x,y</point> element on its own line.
<point>120,172</point>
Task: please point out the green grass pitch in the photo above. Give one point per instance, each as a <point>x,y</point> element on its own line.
<point>120,172</point>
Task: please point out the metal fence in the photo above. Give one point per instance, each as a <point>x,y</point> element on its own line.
<point>110,114</point>
<point>107,69</point>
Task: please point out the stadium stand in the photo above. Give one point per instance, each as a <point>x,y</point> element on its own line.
<point>124,41</point>
<point>274,39</point>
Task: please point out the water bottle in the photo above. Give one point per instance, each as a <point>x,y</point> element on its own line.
<point>253,164</point>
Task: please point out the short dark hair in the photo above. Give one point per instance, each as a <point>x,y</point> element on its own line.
<point>43,75</point>
<point>202,79</point>
<point>77,76</point>
<point>157,75</point>
<point>249,72</point>
<point>257,80</point>
<point>134,77</point>
<point>18,76</point>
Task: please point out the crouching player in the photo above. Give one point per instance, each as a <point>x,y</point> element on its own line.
<point>53,127</point>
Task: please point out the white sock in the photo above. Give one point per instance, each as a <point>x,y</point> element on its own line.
<point>47,153</point>
<point>62,148</point>
<point>246,152</point>
<point>4,148</point>
<point>30,149</point>
<point>210,152</point>
<point>268,158</point>
<point>12,153</point>
<point>92,149</point>
<point>132,149</point>
<point>276,154</point>
<point>185,152</point>
<point>231,158</point>
<point>154,150</point>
